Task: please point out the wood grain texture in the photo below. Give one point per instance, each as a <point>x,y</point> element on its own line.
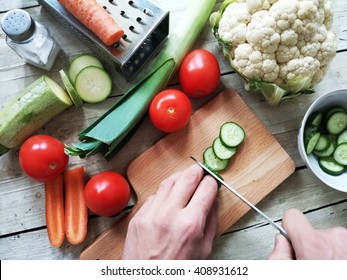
<point>251,171</point>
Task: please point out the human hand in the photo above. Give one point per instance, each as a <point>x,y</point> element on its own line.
<point>178,222</point>
<point>308,243</point>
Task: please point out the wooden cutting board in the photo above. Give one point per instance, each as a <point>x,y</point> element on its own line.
<point>260,165</point>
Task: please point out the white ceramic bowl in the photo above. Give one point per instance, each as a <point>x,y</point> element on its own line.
<point>334,98</point>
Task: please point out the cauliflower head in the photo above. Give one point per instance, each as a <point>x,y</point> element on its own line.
<point>282,48</point>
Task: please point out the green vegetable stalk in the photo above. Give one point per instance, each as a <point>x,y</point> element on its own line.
<point>107,133</point>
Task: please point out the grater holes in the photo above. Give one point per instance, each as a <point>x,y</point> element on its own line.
<point>148,12</point>
<point>132,3</point>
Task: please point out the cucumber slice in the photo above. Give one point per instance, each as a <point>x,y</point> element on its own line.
<point>80,62</point>
<point>322,144</point>
<point>340,154</point>
<point>330,166</point>
<point>93,84</point>
<point>332,111</point>
<point>30,110</point>
<point>327,152</point>
<point>222,151</point>
<point>342,138</point>
<point>231,134</point>
<point>315,119</point>
<point>76,99</point>
<point>213,162</point>
<point>337,122</point>
<point>311,137</point>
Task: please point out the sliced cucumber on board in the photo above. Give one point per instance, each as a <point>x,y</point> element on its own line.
<point>231,134</point>
<point>30,110</point>
<point>80,62</point>
<point>222,151</point>
<point>213,162</point>
<point>217,156</point>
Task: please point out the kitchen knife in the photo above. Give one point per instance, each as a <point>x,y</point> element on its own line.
<point>279,228</point>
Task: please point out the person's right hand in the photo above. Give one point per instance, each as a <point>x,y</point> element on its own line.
<point>307,242</point>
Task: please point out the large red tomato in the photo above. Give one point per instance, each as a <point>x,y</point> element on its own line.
<point>170,110</point>
<point>199,73</point>
<point>107,193</point>
<point>42,158</point>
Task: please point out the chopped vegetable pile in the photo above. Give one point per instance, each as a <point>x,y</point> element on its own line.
<point>282,48</point>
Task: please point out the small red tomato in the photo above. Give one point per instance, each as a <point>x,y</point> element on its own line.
<point>107,193</point>
<point>199,73</point>
<point>42,158</point>
<point>170,110</point>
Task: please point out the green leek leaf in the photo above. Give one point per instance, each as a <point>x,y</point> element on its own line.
<point>114,127</point>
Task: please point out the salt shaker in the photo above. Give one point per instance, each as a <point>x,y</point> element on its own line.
<point>29,39</point>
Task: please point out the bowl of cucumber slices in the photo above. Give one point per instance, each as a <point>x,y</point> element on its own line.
<point>322,139</point>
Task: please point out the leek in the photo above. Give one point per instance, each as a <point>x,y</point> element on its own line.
<point>108,132</point>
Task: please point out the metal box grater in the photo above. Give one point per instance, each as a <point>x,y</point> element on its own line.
<point>145,25</point>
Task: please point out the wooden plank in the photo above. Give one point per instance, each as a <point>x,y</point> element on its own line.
<point>256,243</point>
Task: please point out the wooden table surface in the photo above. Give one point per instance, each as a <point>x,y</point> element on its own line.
<point>22,202</point>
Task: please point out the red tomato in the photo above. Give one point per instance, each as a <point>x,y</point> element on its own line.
<point>42,158</point>
<point>199,73</point>
<point>170,110</point>
<point>107,193</point>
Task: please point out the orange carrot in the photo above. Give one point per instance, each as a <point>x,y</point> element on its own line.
<point>54,191</point>
<point>76,211</point>
<point>96,18</point>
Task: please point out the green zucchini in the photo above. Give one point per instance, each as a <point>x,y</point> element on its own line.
<point>80,62</point>
<point>30,110</point>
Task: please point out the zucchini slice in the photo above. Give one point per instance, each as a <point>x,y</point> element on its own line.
<point>93,84</point>
<point>80,62</point>
<point>76,99</point>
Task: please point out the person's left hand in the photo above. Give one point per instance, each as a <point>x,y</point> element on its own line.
<point>178,222</point>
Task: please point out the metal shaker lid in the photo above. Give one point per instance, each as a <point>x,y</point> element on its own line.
<point>18,25</point>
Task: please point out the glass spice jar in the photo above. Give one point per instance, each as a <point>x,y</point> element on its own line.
<point>29,39</point>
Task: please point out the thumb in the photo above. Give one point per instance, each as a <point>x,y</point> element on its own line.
<point>282,250</point>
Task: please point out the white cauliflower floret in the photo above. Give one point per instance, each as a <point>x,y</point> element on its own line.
<point>278,41</point>
<point>233,26</point>
<point>257,5</point>
<point>261,32</point>
<point>299,67</point>
<point>253,63</point>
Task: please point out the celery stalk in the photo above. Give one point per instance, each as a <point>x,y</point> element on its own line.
<point>109,131</point>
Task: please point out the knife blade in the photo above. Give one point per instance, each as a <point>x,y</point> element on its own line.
<point>251,205</point>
